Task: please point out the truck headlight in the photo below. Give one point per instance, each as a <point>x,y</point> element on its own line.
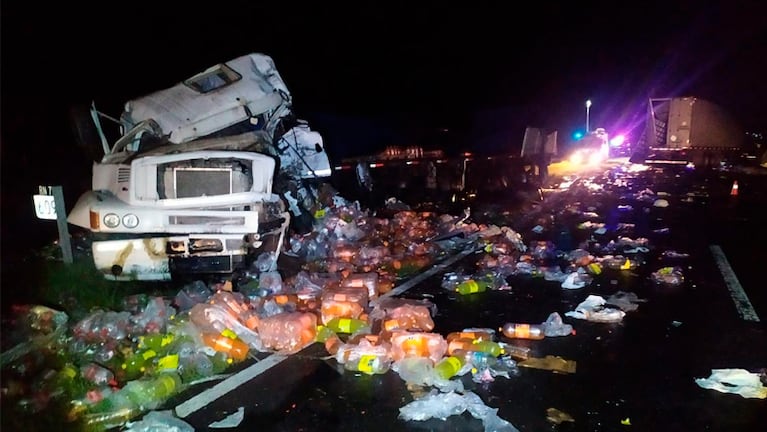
<point>130,220</point>
<point>576,158</point>
<point>111,220</point>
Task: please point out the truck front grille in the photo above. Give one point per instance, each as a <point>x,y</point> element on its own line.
<point>204,177</point>
<point>123,175</point>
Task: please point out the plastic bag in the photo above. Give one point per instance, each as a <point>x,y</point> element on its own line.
<point>444,405</point>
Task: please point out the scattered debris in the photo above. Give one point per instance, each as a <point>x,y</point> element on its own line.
<point>737,381</point>
<point>556,416</point>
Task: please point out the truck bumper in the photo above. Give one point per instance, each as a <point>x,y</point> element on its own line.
<point>158,258</point>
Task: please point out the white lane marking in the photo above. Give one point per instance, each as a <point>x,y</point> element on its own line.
<point>421,277</point>
<point>204,398</point>
<point>738,294</point>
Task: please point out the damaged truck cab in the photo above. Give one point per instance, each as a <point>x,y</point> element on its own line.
<point>190,186</point>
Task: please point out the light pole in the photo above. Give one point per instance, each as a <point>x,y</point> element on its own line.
<point>588,105</point>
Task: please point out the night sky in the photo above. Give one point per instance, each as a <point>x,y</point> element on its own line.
<point>367,74</point>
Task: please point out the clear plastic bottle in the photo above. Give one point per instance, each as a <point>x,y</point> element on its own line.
<point>477,359</point>
<point>370,364</point>
<point>523,331</point>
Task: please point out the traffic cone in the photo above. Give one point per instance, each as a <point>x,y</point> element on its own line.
<point>734,190</point>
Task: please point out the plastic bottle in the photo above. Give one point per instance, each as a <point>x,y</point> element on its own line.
<point>158,342</point>
<point>235,348</point>
<point>463,344</point>
<point>96,374</point>
<point>449,366</point>
<point>346,325</point>
<point>523,331</point>
<point>479,334</point>
<point>165,385</point>
<point>516,351</point>
<point>472,286</point>
<point>477,359</point>
<point>135,365</point>
<point>220,362</point>
<point>368,363</point>
<point>149,393</point>
<point>323,334</point>
<point>110,419</point>
<point>492,348</point>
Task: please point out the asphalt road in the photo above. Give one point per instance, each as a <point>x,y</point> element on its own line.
<point>638,374</point>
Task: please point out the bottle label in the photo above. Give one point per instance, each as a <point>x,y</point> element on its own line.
<point>366,363</point>
<point>522,331</point>
<point>168,362</point>
<point>167,339</point>
<point>229,333</point>
<point>344,325</point>
<point>454,363</point>
<point>471,286</point>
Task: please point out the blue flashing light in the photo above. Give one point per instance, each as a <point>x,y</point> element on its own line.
<point>577,135</point>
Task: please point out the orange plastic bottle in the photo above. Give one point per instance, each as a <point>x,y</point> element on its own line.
<point>523,331</point>
<point>235,348</point>
<point>473,334</point>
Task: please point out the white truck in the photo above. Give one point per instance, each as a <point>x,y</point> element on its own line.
<point>205,175</point>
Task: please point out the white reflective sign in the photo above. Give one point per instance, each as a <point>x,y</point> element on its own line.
<point>45,207</point>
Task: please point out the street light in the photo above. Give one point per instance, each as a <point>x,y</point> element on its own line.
<point>588,105</point>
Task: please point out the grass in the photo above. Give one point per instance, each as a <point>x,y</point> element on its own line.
<point>78,288</point>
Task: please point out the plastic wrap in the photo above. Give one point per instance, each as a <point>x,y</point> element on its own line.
<point>369,281</point>
<point>408,317</point>
<point>343,302</point>
<point>417,344</point>
<point>288,332</point>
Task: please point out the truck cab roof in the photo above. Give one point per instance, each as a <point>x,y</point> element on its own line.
<point>247,87</point>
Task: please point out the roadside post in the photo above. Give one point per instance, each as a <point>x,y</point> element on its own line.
<point>47,201</point>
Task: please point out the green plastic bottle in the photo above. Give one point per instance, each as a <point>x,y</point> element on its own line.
<point>492,348</point>
<point>164,385</point>
<point>346,325</point>
<point>158,342</point>
<point>472,286</point>
<point>136,365</point>
<point>448,367</point>
<point>221,362</point>
<point>323,334</point>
